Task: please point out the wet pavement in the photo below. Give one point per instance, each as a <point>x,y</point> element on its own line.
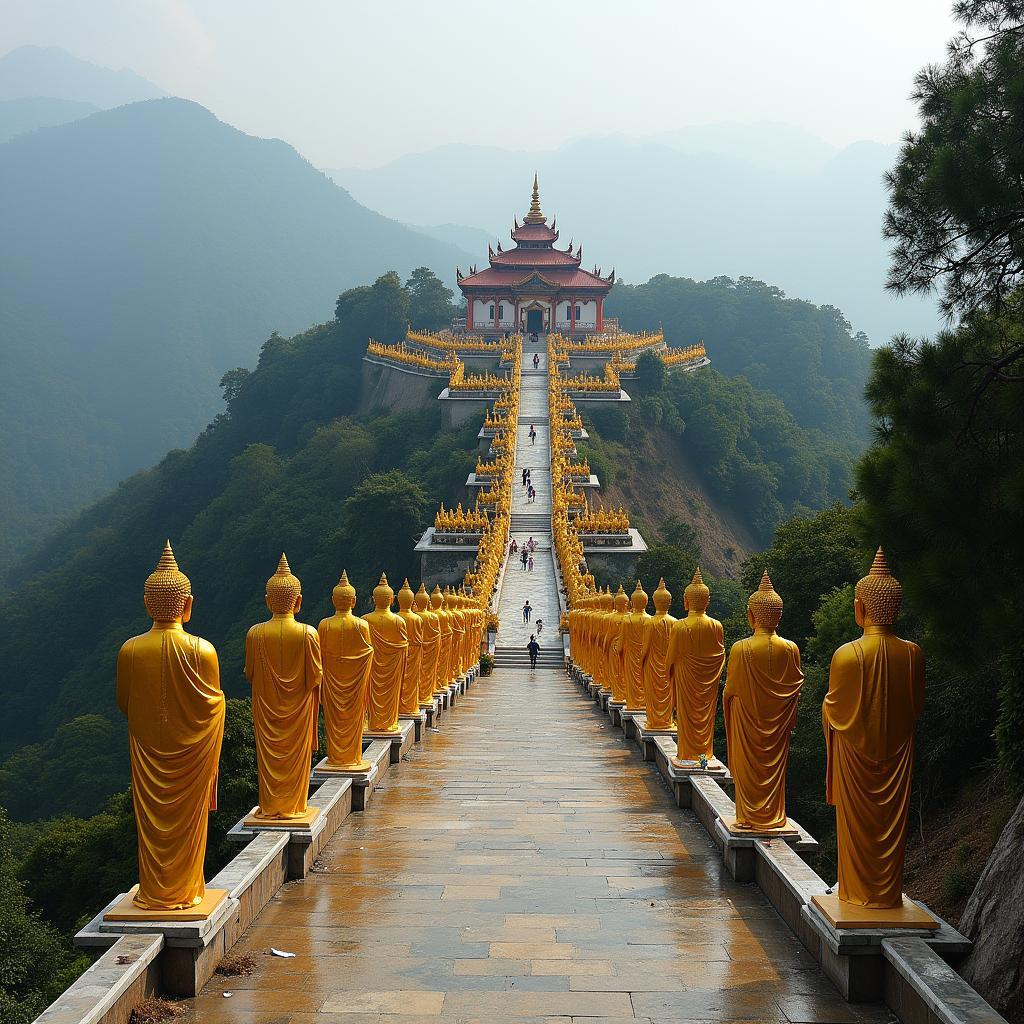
<point>523,864</point>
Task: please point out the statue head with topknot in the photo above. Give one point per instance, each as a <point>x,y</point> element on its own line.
<point>284,592</point>
<point>696,596</point>
<point>638,600</point>
<point>621,602</point>
<point>168,591</point>
<point>383,595</point>
<point>436,598</point>
<point>405,596</point>
<point>422,598</point>
<point>344,594</point>
<point>764,606</point>
<point>878,595</point>
<point>662,598</point>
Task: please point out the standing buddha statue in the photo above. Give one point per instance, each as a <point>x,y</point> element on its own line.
<point>430,645</point>
<point>875,693</point>
<point>409,699</point>
<point>347,659</point>
<point>762,690</point>
<point>458,620</point>
<point>634,649</point>
<point>696,657</point>
<point>613,659</point>
<point>168,686</point>
<point>658,695</point>
<point>282,663</point>
<point>444,656</point>
<point>390,641</point>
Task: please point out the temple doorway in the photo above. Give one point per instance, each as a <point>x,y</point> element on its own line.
<point>534,321</point>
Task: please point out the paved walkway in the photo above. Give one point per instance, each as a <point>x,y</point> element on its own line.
<point>522,865</point>
<point>531,519</point>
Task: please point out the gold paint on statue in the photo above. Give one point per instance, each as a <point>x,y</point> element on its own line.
<point>759,705</point>
<point>347,659</point>
<point>458,621</point>
<point>390,648</point>
<point>168,686</point>
<point>875,693</point>
<point>634,649</point>
<point>409,700</point>
<point>444,655</point>
<point>696,657</point>
<point>282,664</point>
<point>431,646</point>
<point>614,668</point>
<point>658,695</point>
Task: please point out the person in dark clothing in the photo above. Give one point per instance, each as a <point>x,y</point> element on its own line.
<point>527,611</point>
<point>525,474</point>
<point>534,648</point>
<point>524,557</point>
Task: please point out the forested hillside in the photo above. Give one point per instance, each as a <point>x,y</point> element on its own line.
<point>146,250</point>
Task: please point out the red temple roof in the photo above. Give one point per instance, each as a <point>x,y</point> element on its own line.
<point>534,258</point>
<point>534,233</point>
<point>558,277</point>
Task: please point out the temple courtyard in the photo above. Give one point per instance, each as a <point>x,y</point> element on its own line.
<point>523,864</point>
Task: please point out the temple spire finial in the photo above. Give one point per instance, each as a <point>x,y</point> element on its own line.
<point>536,215</point>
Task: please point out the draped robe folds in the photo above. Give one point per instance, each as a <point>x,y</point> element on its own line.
<point>168,685</point>
<point>282,662</point>
<point>444,653</point>
<point>409,701</point>
<point>657,688</point>
<point>696,657</point>
<point>458,644</point>
<point>390,650</point>
<point>614,664</point>
<point>431,650</point>
<point>875,693</point>
<point>347,659</point>
<point>634,648</point>
<point>762,689</point>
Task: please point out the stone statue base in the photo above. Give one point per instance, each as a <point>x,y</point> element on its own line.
<point>782,832</point>
<point>713,767</point>
<point>849,915</point>
<point>126,910</point>
<point>356,768</point>
<point>256,820</point>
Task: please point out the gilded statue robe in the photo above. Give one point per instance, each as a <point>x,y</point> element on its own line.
<point>633,641</point>
<point>444,658</point>
<point>762,689</point>
<point>658,696</point>
<point>613,656</point>
<point>168,685</point>
<point>431,650</point>
<point>696,657</point>
<point>347,659</point>
<point>875,693</point>
<point>409,701</point>
<point>282,662</point>
<point>390,648</point>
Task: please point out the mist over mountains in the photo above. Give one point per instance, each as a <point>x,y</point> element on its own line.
<point>764,201</point>
<point>146,250</point>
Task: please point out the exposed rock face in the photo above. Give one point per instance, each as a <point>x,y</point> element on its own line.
<point>994,920</point>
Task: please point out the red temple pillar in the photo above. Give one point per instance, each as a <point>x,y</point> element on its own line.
<point>496,314</point>
<point>469,312</point>
<point>600,314</point>
<point>515,316</point>
<point>572,317</point>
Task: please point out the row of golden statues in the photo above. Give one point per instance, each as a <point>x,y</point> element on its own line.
<point>363,671</point>
<point>601,520</point>
<point>411,357</point>
<point>670,670</point>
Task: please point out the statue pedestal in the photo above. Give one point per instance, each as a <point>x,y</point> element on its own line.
<point>615,709</point>
<point>377,753</point>
<point>302,822</point>
<point>400,741</point>
<point>125,910</point>
<point>628,717</point>
<point>842,915</point>
<point>419,721</point>
<point>738,844</point>
<point>680,779</point>
<point>647,738</point>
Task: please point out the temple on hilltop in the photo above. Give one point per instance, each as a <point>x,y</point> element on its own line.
<point>535,287</point>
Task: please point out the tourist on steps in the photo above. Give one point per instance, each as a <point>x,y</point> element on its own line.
<point>530,564</point>
<point>524,556</point>
<point>536,360</point>
<point>540,626</point>
<point>527,611</point>
<point>534,648</point>
<point>526,474</point>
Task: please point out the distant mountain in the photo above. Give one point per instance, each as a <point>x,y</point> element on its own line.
<point>145,250</point>
<point>733,204</point>
<point>33,71</point>
<point>25,115</point>
<point>472,240</point>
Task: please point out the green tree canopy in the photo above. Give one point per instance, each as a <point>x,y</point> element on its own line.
<point>430,302</point>
<point>650,373</point>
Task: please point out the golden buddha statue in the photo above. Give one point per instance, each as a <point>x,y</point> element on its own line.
<point>409,696</point>
<point>168,686</point>
<point>282,664</point>
<point>875,693</point>
<point>390,640</point>
<point>658,695</point>
<point>602,639</point>
<point>696,657</point>
<point>430,646</point>
<point>759,704</point>
<point>347,658</point>
<point>634,640</point>
<point>614,651</point>
<point>444,655</point>
<point>458,621</point>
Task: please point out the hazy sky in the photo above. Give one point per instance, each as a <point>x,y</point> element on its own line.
<point>358,83</point>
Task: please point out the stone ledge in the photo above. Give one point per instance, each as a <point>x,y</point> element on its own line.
<point>109,989</point>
